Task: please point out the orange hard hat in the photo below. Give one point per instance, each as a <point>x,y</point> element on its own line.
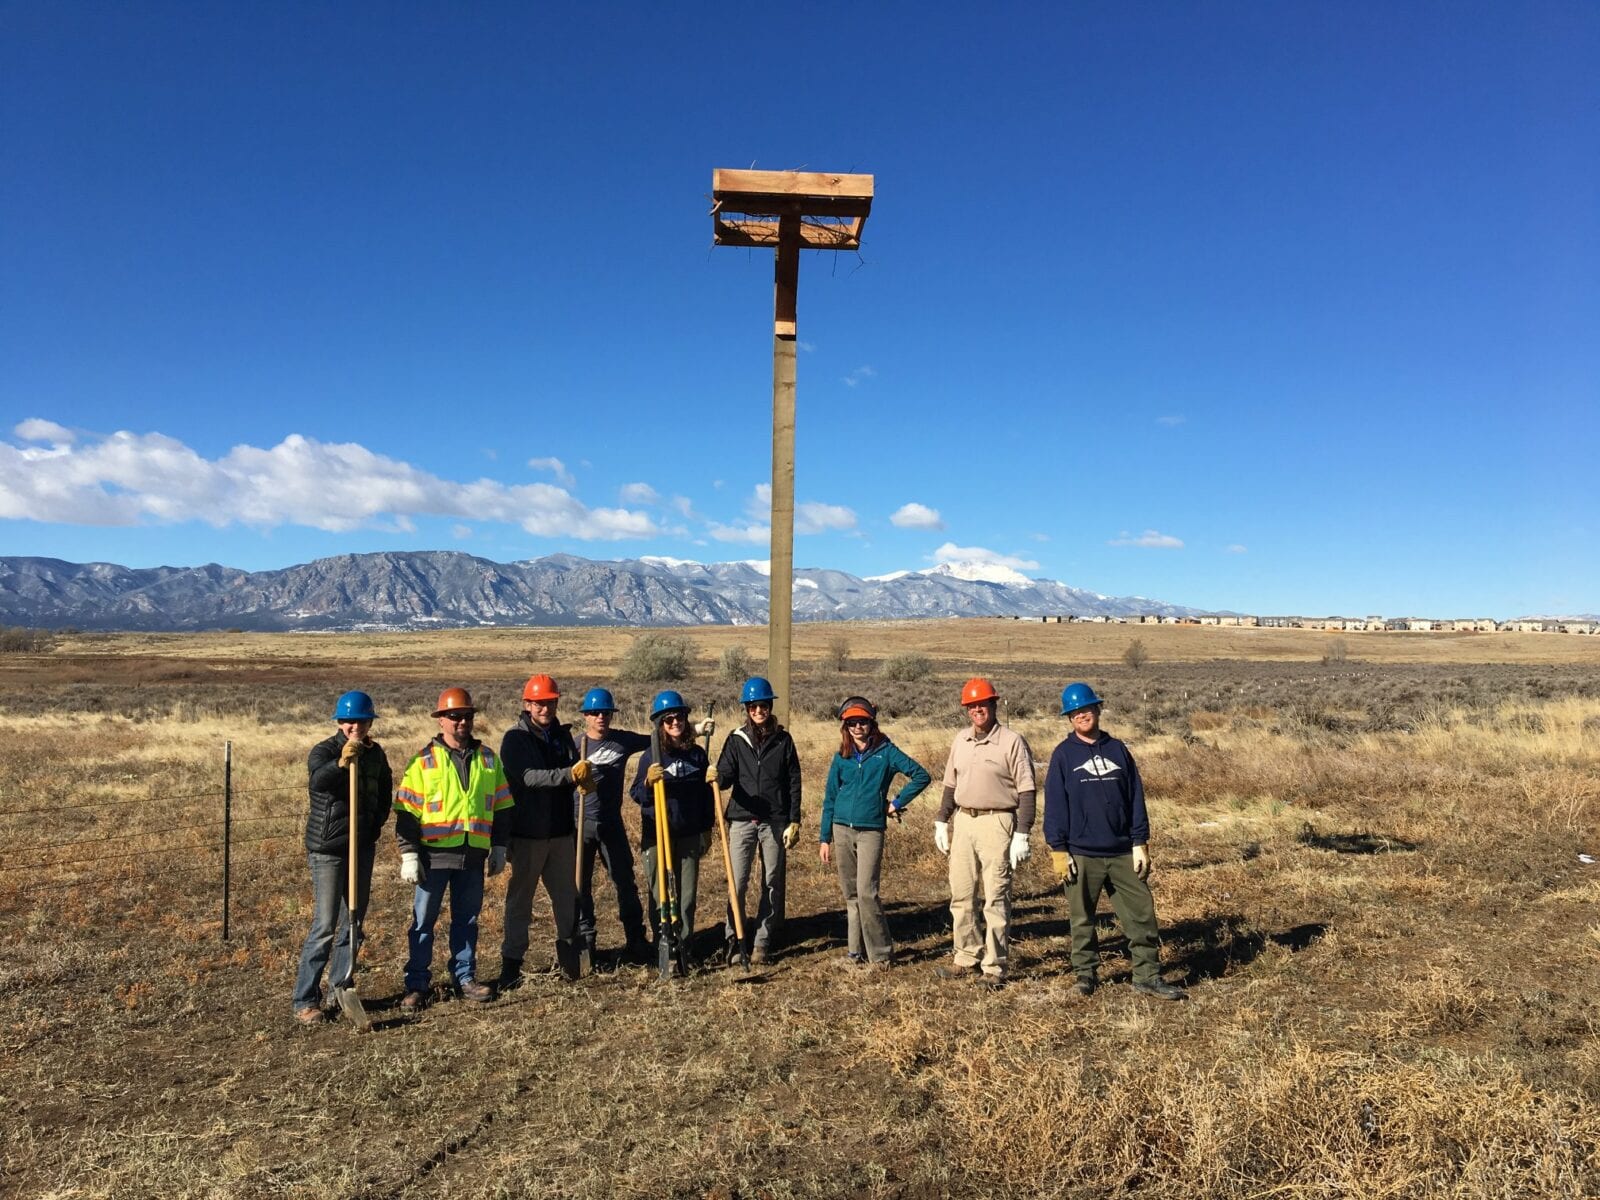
<point>454,699</point>
<point>540,687</point>
<point>976,690</point>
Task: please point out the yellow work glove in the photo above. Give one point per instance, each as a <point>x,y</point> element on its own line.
<point>654,774</point>
<point>711,776</point>
<point>1066,869</point>
<point>1141,861</point>
<point>350,752</point>
<point>583,774</point>
<point>791,836</point>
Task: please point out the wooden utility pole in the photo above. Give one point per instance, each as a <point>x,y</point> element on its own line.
<point>788,211</point>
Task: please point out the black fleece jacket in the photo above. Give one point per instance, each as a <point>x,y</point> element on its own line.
<point>763,775</point>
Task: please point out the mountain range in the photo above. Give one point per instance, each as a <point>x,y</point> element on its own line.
<point>437,588</point>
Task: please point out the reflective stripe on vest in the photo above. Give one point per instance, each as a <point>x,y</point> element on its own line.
<point>448,813</point>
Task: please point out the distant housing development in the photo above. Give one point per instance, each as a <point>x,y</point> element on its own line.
<point>1371,624</point>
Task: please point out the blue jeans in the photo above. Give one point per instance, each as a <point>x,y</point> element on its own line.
<point>330,923</point>
<point>609,842</point>
<point>466,898</point>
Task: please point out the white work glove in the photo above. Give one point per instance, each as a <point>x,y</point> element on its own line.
<point>791,836</point>
<point>941,836</point>
<point>1141,861</point>
<point>410,869</point>
<point>705,728</point>
<point>1019,850</point>
<point>497,859</point>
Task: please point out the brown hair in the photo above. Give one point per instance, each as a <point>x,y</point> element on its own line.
<point>847,744</point>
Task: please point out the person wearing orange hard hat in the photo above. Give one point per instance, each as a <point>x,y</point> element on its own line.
<point>543,768</point>
<point>452,812</point>
<point>983,826</point>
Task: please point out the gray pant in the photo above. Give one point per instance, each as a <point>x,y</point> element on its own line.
<point>533,859</point>
<point>686,852</point>
<point>858,856</point>
<point>743,838</point>
<point>330,923</point>
<point>1136,910</point>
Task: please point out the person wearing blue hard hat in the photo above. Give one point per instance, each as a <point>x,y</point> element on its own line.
<point>760,769</point>
<point>329,844</point>
<point>689,780</point>
<point>1098,832</point>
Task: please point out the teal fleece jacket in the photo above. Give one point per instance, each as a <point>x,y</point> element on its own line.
<point>858,787</point>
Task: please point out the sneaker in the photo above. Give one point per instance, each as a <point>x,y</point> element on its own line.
<point>1085,985</point>
<point>310,1015</point>
<point>478,993</point>
<point>951,971</point>
<point>414,1002</point>
<point>1161,990</point>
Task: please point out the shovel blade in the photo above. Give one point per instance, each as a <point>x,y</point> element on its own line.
<point>664,956</point>
<point>350,1005</point>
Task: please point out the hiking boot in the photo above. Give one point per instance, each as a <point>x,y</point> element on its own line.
<point>1085,985</point>
<point>760,956</point>
<point>1161,990</point>
<point>414,1002</point>
<point>478,993</point>
<point>638,951</point>
<point>993,982</point>
<point>880,964</point>
<point>850,962</point>
<point>951,971</point>
<point>310,1015</point>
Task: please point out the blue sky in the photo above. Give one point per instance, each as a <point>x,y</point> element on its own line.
<point>1268,307</point>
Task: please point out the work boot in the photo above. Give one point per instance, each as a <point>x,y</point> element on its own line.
<point>1161,990</point>
<point>760,956</point>
<point>638,950</point>
<point>414,1002</point>
<point>310,1015</point>
<point>993,982</point>
<point>951,971</point>
<point>851,962</point>
<point>1085,985</point>
<point>478,993</point>
<point>510,973</point>
<point>567,960</point>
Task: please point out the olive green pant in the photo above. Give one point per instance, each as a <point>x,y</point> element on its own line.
<point>1135,907</point>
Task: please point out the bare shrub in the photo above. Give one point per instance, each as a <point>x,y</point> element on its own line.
<point>836,657</point>
<point>1135,656</point>
<point>17,640</point>
<point>1337,653</point>
<point>656,657</point>
<point>735,666</point>
<point>906,668</point>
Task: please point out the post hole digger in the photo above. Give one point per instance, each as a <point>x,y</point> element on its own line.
<point>669,948</point>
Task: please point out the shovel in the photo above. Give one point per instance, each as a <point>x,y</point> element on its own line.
<point>583,963</point>
<point>349,1001</point>
<point>667,912</point>
<point>727,869</point>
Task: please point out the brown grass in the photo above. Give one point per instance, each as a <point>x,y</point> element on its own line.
<point>1366,872</point>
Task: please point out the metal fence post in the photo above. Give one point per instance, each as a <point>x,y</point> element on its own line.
<point>227,828</point>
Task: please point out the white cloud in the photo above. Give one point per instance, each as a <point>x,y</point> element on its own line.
<point>756,535</point>
<point>638,493</point>
<point>1149,539</point>
<point>136,479</point>
<point>37,429</point>
<point>1170,420</point>
<point>461,532</point>
<point>683,506</point>
<point>860,373</point>
<point>813,517</point>
<point>1235,548</point>
<point>556,467</point>
<point>1040,537</point>
<point>952,553</point>
<point>759,506</point>
<point>916,516</point>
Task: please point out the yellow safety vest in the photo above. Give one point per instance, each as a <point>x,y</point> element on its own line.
<point>449,814</point>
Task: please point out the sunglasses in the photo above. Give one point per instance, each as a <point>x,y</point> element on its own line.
<point>674,719</point>
<point>858,722</point>
<point>459,717</point>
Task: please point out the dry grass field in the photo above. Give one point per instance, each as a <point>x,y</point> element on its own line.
<point>1366,871</point>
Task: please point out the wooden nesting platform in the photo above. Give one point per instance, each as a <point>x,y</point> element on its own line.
<point>764,208</point>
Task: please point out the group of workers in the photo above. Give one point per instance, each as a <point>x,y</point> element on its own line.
<point>549,806</point>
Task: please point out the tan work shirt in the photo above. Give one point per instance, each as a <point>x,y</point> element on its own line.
<point>992,772</point>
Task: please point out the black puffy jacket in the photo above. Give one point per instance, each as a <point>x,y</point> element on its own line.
<point>539,769</point>
<point>328,819</point>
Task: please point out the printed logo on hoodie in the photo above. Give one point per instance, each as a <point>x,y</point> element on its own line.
<point>1099,767</point>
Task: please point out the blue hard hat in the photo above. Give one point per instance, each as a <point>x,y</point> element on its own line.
<point>756,688</point>
<point>354,706</point>
<point>666,702</point>
<point>1077,695</point>
<point>597,700</point>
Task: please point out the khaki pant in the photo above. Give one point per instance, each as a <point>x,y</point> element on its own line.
<point>980,857</point>
<point>858,857</point>
<point>532,860</point>
<point>1136,910</point>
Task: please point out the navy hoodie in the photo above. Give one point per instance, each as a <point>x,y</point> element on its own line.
<point>1093,799</point>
